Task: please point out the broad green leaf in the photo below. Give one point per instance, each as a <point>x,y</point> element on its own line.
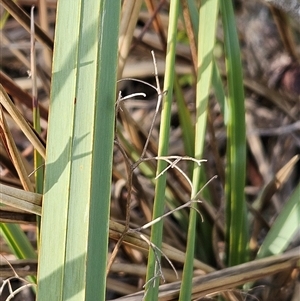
<point>75,217</point>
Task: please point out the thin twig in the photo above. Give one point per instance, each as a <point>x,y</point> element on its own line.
<point>159,100</point>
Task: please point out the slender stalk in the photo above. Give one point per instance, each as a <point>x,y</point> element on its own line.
<point>38,160</point>
<point>153,268</point>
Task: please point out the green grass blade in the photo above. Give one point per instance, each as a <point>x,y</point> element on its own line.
<point>18,242</point>
<point>76,204</point>
<point>284,227</point>
<point>207,27</point>
<point>38,160</point>
<point>237,233</point>
<point>159,200</point>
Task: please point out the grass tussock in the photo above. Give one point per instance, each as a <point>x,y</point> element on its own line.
<point>166,140</point>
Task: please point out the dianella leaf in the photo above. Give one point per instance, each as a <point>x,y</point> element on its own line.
<point>75,216</point>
